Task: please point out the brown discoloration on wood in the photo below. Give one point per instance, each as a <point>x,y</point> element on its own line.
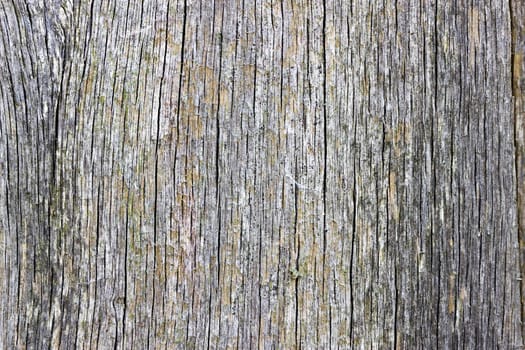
<point>518,93</point>
<point>473,35</point>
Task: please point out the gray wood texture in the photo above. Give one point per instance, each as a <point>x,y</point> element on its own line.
<point>272,174</point>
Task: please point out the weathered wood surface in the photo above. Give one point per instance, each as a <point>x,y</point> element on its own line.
<point>518,92</point>
<point>262,174</point>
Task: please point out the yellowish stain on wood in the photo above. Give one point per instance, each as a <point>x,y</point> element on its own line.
<point>392,195</point>
<point>451,293</point>
<point>473,33</point>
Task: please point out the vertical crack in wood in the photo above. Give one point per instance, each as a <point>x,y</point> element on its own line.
<point>325,172</point>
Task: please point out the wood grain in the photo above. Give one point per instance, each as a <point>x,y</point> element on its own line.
<point>296,174</point>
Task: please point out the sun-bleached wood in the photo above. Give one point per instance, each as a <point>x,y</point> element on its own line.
<point>295,174</point>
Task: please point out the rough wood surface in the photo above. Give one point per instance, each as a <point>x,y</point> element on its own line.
<point>518,92</point>
<point>262,174</point>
